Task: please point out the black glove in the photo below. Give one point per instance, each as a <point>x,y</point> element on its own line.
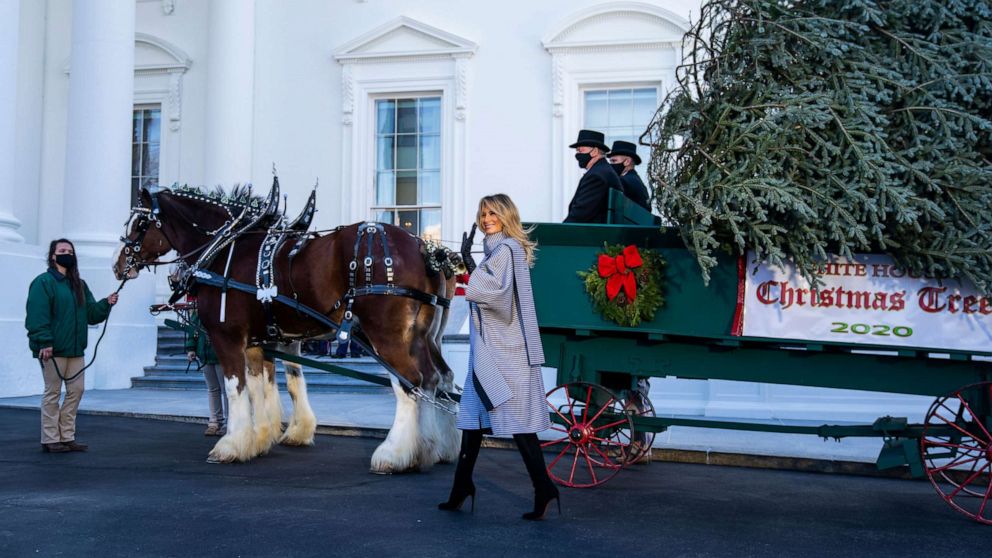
<point>468,239</point>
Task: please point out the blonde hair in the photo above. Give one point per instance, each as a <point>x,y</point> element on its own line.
<point>506,211</point>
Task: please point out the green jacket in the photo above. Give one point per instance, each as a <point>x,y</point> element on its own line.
<point>55,320</point>
<point>197,341</point>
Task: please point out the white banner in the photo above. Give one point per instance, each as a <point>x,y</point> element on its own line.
<point>865,300</point>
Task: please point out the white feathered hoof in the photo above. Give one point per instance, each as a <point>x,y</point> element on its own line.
<point>237,447</point>
<point>390,458</point>
<point>300,432</point>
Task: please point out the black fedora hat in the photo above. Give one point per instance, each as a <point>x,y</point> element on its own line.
<point>591,138</point>
<point>625,148</point>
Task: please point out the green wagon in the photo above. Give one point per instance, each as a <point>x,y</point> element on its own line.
<point>599,363</point>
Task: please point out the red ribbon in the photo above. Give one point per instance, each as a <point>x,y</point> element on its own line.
<point>618,272</point>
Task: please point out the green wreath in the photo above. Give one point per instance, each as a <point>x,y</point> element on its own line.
<point>625,284</point>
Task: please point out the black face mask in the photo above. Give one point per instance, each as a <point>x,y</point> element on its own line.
<point>618,167</point>
<point>67,261</point>
<point>583,159</point>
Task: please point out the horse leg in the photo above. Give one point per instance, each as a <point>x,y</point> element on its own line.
<point>273,404</point>
<point>238,444</point>
<point>447,439</point>
<point>256,395</point>
<point>302,423</point>
<point>400,451</point>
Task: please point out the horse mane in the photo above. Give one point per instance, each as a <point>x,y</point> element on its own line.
<point>234,200</point>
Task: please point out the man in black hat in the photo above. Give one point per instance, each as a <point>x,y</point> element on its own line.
<point>623,158</point>
<point>589,204</point>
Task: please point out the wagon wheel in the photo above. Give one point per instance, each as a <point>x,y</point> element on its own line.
<point>592,435</point>
<point>641,442</point>
<point>957,450</point>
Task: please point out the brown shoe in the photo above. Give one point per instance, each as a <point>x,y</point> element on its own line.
<point>56,447</point>
<point>211,430</point>
<point>73,446</point>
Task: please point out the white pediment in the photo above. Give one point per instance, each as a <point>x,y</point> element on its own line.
<point>404,37</point>
<point>153,53</point>
<point>617,23</point>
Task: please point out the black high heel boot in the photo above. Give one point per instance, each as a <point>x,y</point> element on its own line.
<point>463,486</point>
<point>545,490</point>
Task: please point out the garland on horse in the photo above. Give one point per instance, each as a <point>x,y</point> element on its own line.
<point>375,275</point>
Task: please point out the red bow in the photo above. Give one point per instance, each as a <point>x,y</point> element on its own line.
<point>618,271</point>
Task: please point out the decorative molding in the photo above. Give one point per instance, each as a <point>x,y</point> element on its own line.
<point>557,83</point>
<point>175,99</point>
<point>461,87</point>
<point>561,35</point>
<point>446,45</point>
<point>347,94</point>
<point>168,6</point>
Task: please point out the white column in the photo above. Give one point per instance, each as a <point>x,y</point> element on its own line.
<point>9,40</point>
<point>230,91</point>
<point>98,144</point>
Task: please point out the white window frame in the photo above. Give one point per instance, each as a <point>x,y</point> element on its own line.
<point>594,49</point>
<point>368,74</point>
<point>371,201</point>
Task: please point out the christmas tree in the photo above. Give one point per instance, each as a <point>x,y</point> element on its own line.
<point>812,127</point>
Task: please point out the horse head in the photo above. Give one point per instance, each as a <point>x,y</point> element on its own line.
<point>163,220</point>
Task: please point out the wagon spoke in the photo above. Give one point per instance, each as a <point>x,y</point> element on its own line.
<point>955,426</point>
<point>558,458</point>
<point>953,464</point>
<point>964,484</point>
<point>592,472</point>
<point>974,418</point>
<point>950,445</point>
<point>606,458</point>
<point>601,409</point>
<point>988,492</point>
<point>553,442</point>
<point>563,417</point>
<point>610,425</point>
<point>571,477</point>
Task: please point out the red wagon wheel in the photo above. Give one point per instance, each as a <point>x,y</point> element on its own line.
<point>592,435</point>
<point>957,450</point>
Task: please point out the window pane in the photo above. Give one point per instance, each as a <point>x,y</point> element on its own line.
<point>384,152</point>
<point>152,121</point>
<point>385,217</point>
<point>430,115</point>
<point>409,220</point>
<point>596,110</point>
<point>136,126</point>
<point>149,182</point>
<point>430,223</point>
<point>645,105</point>
<point>430,152</point>
<point>406,188</point>
<point>385,112</point>
<point>385,188</point>
<point>406,116</point>
<point>136,160</point>
<point>430,187</point>
<point>149,163</point>
<point>406,152</point>
<point>621,107</point>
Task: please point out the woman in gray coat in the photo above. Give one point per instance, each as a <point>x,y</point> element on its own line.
<point>504,392</point>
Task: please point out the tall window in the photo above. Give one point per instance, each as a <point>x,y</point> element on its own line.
<point>622,114</point>
<point>145,141</point>
<point>408,164</point>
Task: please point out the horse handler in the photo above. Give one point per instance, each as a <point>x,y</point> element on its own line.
<point>59,308</point>
<point>504,392</point>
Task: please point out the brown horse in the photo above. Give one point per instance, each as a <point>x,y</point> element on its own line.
<point>404,332</point>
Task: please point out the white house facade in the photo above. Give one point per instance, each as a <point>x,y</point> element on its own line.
<point>403,111</point>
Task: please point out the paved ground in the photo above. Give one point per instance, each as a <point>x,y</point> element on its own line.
<point>145,490</point>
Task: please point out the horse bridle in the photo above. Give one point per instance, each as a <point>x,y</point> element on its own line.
<point>143,219</point>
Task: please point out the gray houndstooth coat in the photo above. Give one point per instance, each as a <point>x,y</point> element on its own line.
<point>504,389</point>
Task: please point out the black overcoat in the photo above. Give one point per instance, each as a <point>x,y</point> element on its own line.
<point>635,189</point>
<point>589,204</point>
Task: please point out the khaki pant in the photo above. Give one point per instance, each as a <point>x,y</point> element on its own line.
<point>59,424</point>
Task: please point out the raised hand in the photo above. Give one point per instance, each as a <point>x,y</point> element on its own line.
<point>468,239</point>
